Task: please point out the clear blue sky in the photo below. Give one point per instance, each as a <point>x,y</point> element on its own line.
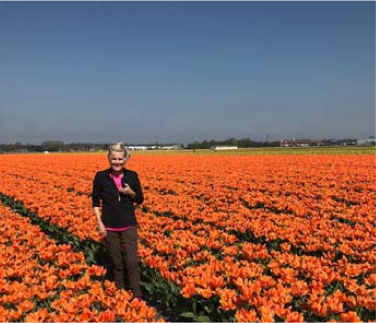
<point>183,71</point>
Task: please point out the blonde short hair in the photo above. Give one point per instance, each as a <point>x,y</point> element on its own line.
<point>119,147</point>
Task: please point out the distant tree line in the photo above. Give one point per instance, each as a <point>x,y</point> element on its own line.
<point>52,146</point>
<point>240,143</point>
<point>60,146</point>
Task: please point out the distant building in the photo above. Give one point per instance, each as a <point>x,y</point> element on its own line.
<point>366,142</point>
<point>340,142</point>
<point>223,147</point>
<point>172,147</point>
<point>137,147</point>
<point>300,143</point>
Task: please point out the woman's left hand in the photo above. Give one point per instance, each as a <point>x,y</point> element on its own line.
<point>127,190</point>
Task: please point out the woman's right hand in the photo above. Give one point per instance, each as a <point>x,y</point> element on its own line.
<point>102,230</point>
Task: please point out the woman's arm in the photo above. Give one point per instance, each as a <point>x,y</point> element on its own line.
<point>139,197</point>
<point>95,197</point>
<point>98,216</point>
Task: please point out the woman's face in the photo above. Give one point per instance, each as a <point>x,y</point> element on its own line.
<point>117,160</point>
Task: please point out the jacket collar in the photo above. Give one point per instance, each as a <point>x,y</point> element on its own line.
<point>108,172</point>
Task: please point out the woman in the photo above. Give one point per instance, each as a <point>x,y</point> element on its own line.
<point>118,189</point>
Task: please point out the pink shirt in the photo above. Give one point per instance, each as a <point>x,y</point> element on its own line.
<point>117,180</point>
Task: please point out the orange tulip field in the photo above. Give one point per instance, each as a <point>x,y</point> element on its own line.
<point>221,238</point>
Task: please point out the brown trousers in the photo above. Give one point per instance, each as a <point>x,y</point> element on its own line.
<point>122,247</point>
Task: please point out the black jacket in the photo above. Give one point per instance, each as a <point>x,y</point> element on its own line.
<point>117,208</point>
